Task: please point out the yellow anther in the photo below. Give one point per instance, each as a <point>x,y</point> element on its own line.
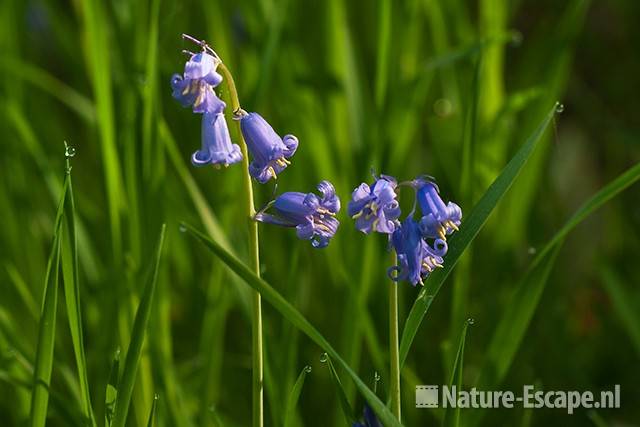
<point>273,172</point>
<point>453,225</point>
<point>358,215</point>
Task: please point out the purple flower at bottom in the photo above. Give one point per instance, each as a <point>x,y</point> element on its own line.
<point>374,207</point>
<point>439,219</point>
<point>217,148</point>
<point>416,259</point>
<point>369,419</point>
<point>268,150</point>
<point>312,216</point>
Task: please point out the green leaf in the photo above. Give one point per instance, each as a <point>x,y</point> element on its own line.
<point>47,326</point>
<point>72,298</point>
<point>134,352</point>
<point>452,415</point>
<point>295,317</point>
<point>295,396</point>
<point>468,231</point>
<point>347,410</point>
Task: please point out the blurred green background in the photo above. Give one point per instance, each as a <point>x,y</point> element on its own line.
<point>397,86</point>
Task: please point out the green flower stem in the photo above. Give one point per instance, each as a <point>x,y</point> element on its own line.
<point>258,368</point>
<point>394,353</point>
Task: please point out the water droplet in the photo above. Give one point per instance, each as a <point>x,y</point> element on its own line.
<point>324,357</point>
<point>376,376</point>
<point>559,107</point>
<point>212,408</point>
<point>156,396</point>
<point>307,369</point>
<point>470,321</point>
<point>69,151</point>
<point>182,228</point>
<point>532,250</point>
<point>442,107</point>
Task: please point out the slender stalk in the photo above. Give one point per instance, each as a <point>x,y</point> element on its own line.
<point>256,327</point>
<point>394,353</point>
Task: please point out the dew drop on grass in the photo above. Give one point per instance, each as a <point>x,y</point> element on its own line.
<point>470,321</point>
<point>324,357</point>
<point>182,228</point>
<point>307,369</point>
<point>69,151</point>
<point>559,107</point>
<point>376,376</point>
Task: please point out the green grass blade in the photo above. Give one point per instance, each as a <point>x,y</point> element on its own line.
<point>111,392</point>
<point>347,410</point>
<point>295,317</point>
<point>452,415</point>
<point>134,352</point>
<point>622,303</point>
<point>152,412</point>
<point>629,177</point>
<point>468,231</point>
<point>294,396</point>
<point>150,90</point>
<point>515,321</point>
<point>71,282</point>
<point>47,327</point>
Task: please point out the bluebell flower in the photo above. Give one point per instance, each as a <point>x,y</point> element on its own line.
<point>195,87</point>
<point>438,219</point>
<point>369,419</point>
<point>312,216</point>
<point>269,152</point>
<point>415,258</point>
<point>375,207</point>
<point>217,148</point>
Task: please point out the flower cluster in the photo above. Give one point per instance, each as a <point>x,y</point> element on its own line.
<point>420,245</point>
<point>312,216</point>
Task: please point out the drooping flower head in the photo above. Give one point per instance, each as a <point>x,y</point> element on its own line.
<point>438,219</point>
<point>269,152</point>
<point>195,87</point>
<point>375,207</point>
<point>369,419</point>
<point>416,259</point>
<point>217,148</point>
<point>312,216</point>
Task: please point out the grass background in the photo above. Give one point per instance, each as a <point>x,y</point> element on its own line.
<point>447,88</point>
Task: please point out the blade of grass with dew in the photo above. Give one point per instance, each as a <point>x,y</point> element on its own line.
<point>452,415</point>
<point>134,351</point>
<point>462,279</point>
<point>71,281</point>
<point>347,410</point>
<point>468,231</point>
<point>295,317</point>
<point>152,412</point>
<point>623,305</point>
<point>111,393</point>
<point>47,326</point>
<point>294,396</point>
